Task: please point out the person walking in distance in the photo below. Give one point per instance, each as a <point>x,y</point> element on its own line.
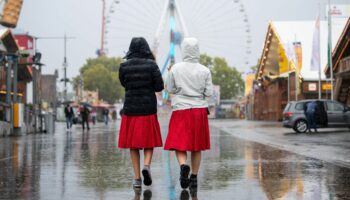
<point>106,116</point>
<point>139,129</point>
<point>190,83</point>
<point>85,112</point>
<point>94,116</point>
<point>310,110</point>
<point>114,115</point>
<point>69,113</point>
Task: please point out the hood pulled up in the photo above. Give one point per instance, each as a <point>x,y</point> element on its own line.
<point>190,50</point>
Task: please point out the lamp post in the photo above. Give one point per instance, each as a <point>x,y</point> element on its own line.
<point>11,86</point>
<point>37,90</point>
<point>8,93</point>
<point>36,85</point>
<point>330,61</point>
<point>65,39</point>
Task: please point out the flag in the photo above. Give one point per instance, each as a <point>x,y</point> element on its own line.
<point>283,60</point>
<point>290,52</point>
<point>298,53</point>
<point>315,57</point>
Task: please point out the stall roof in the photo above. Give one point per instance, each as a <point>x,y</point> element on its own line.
<point>287,32</point>
<point>341,49</point>
<point>8,42</point>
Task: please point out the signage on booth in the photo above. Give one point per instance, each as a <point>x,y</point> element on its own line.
<point>326,87</point>
<point>312,87</point>
<point>339,10</point>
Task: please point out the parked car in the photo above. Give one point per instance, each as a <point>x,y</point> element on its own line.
<point>329,113</point>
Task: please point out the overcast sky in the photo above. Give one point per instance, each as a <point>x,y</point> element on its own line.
<point>82,19</point>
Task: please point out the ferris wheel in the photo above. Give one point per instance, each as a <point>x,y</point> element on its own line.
<point>222,28</point>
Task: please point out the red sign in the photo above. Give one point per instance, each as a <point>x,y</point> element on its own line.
<point>25,42</point>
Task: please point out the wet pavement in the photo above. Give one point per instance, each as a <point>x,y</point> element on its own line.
<point>81,165</point>
<point>331,144</point>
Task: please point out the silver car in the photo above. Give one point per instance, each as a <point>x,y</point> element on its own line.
<point>330,114</point>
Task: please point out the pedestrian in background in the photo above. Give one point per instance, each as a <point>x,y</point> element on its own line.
<point>190,83</point>
<point>139,129</point>
<point>114,115</point>
<point>85,112</point>
<point>310,110</point>
<point>69,113</point>
<point>106,116</point>
<point>93,116</point>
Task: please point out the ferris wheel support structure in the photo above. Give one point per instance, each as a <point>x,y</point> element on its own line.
<point>171,13</point>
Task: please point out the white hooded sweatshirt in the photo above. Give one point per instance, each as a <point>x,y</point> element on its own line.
<point>188,81</point>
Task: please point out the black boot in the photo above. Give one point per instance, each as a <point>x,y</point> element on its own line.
<point>193,182</point>
<point>184,172</point>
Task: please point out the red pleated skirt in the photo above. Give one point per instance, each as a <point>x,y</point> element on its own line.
<point>139,132</point>
<point>188,130</point>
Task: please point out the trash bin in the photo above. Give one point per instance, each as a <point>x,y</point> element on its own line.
<point>49,122</point>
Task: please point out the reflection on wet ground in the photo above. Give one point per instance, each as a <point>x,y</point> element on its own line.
<point>89,166</point>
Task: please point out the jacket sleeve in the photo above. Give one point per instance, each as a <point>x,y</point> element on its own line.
<point>158,83</point>
<point>208,90</point>
<point>170,82</point>
<point>121,76</point>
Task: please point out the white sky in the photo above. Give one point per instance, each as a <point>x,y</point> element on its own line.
<point>82,19</point>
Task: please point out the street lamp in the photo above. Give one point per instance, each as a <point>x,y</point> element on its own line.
<point>36,61</point>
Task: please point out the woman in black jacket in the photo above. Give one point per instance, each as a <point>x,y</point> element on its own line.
<point>139,129</point>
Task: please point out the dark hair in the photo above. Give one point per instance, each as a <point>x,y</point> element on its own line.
<point>139,48</point>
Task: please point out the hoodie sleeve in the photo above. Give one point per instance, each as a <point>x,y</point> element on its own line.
<point>157,79</point>
<point>170,83</point>
<point>208,91</point>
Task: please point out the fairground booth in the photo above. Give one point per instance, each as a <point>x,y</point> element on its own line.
<point>8,46</point>
<point>285,72</point>
<point>13,88</point>
<point>341,67</point>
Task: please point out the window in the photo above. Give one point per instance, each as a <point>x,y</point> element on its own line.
<point>334,106</point>
<point>299,106</point>
<point>287,107</point>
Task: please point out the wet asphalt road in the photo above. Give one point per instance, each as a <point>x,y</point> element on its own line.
<point>81,165</point>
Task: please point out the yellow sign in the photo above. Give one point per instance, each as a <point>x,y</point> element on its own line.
<point>283,60</point>
<point>327,86</point>
<point>249,83</point>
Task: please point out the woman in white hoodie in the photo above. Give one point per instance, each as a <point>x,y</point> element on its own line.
<point>190,83</point>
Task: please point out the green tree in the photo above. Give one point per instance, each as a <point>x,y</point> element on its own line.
<point>102,74</point>
<point>206,60</point>
<point>76,82</point>
<point>228,78</point>
<point>112,64</point>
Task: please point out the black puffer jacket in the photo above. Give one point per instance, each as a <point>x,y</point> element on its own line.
<point>141,78</point>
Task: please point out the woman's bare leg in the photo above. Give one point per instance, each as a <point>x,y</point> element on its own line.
<point>148,153</point>
<point>146,171</point>
<point>181,157</point>
<point>135,158</point>
<point>196,157</point>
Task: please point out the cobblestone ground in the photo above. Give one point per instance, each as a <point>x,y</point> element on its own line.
<point>88,165</point>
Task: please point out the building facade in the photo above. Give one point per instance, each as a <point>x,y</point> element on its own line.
<point>341,67</point>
